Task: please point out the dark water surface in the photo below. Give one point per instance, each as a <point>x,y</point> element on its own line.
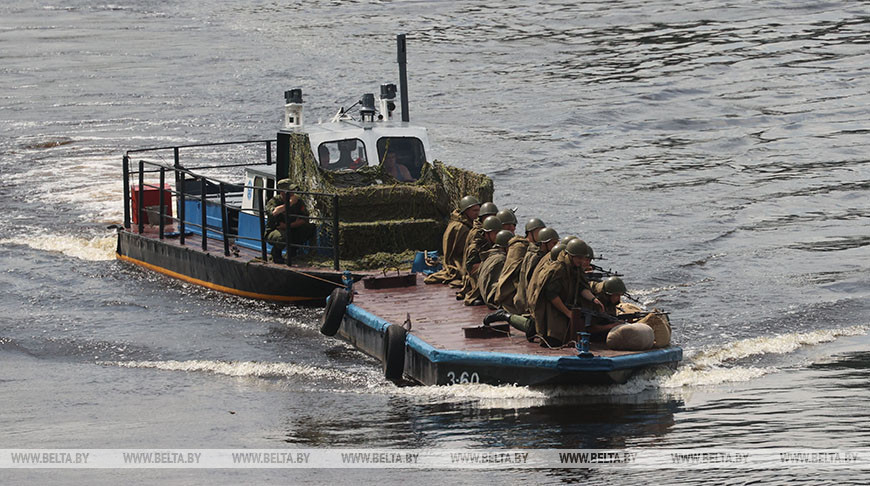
<point>716,154</point>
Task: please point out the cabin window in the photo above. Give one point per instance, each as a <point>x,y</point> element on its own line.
<point>342,154</point>
<point>402,157</point>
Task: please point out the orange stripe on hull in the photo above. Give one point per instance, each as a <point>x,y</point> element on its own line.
<point>220,288</point>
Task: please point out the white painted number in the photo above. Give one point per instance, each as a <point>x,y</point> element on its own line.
<point>464,377</point>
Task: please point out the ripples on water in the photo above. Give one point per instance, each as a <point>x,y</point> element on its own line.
<point>714,153</point>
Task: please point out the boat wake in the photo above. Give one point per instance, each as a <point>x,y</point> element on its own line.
<point>98,248</point>
<point>709,367</point>
<point>254,369</point>
<point>719,364</point>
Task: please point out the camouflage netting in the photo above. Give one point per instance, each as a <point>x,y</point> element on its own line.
<point>378,213</point>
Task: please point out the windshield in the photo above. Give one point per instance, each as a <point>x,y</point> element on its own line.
<point>342,154</point>
<point>402,157</point>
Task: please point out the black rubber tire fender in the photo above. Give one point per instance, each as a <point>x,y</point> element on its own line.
<point>394,352</point>
<point>333,314</point>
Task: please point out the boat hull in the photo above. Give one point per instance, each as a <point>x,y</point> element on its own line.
<point>233,275</point>
<point>428,365</point>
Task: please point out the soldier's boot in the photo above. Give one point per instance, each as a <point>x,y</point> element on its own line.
<point>497,316</point>
<point>277,257</point>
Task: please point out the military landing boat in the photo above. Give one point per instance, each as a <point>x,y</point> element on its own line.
<point>422,335</point>
<point>375,200</point>
<point>198,212</point>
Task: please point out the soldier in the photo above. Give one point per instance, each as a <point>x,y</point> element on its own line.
<point>487,209</point>
<point>508,281</point>
<point>558,285</point>
<point>474,257</point>
<point>547,239</point>
<point>609,293</point>
<point>491,268</point>
<point>279,214</point>
<point>454,240</point>
<point>508,220</point>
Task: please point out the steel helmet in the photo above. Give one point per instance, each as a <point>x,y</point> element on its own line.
<point>491,223</point>
<point>566,239</point>
<point>547,235</point>
<point>534,224</point>
<point>507,217</point>
<point>466,202</point>
<point>579,248</point>
<point>614,285</point>
<point>503,238</point>
<point>488,209</point>
<point>554,253</point>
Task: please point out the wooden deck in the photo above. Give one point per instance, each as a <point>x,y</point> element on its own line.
<point>438,318</point>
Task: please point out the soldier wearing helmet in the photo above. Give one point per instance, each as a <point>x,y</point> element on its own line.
<point>557,286</point>
<point>509,280</point>
<point>474,255</point>
<point>508,219</point>
<point>491,268</point>
<point>487,209</point>
<point>454,240</point>
<point>610,293</point>
<point>279,214</point>
<point>519,316</point>
<point>547,238</point>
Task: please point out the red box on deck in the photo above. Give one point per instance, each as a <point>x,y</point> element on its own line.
<point>151,201</point>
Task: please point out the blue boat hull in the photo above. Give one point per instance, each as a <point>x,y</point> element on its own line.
<point>430,366</point>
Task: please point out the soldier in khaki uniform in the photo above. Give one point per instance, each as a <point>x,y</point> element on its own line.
<point>508,281</point>
<point>609,293</point>
<point>508,219</point>
<point>453,242</point>
<point>491,268</point>
<point>559,285</point>
<point>487,209</point>
<point>547,239</point>
<point>278,213</point>
<point>522,319</point>
<point>474,257</point>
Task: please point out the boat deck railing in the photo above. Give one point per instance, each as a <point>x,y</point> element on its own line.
<point>185,181</point>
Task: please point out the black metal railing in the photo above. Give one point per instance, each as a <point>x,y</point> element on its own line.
<point>186,175</point>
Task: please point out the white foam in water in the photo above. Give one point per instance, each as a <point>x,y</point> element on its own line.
<point>236,368</point>
<point>705,368</point>
<point>779,344</point>
<point>91,184</point>
<point>708,367</point>
<point>99,248</point>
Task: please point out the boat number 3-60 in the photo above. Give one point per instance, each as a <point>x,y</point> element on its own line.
<point>464,377</point>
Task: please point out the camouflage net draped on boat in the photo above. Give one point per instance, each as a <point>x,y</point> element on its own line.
<point>376,212</point>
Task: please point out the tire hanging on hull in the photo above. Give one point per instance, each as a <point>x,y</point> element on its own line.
<point>394,352</point>
<point>334,312</point>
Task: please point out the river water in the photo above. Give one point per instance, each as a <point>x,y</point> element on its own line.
<point>715,153</point>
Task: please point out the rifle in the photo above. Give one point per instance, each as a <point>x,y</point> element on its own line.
<point>630,316</point>
<point>602,273</point>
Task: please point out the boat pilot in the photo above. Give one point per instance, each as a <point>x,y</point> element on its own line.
<point>279,214</point>
<point>453,242</point>
<point>491,268</point>
<point>395,169</point>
